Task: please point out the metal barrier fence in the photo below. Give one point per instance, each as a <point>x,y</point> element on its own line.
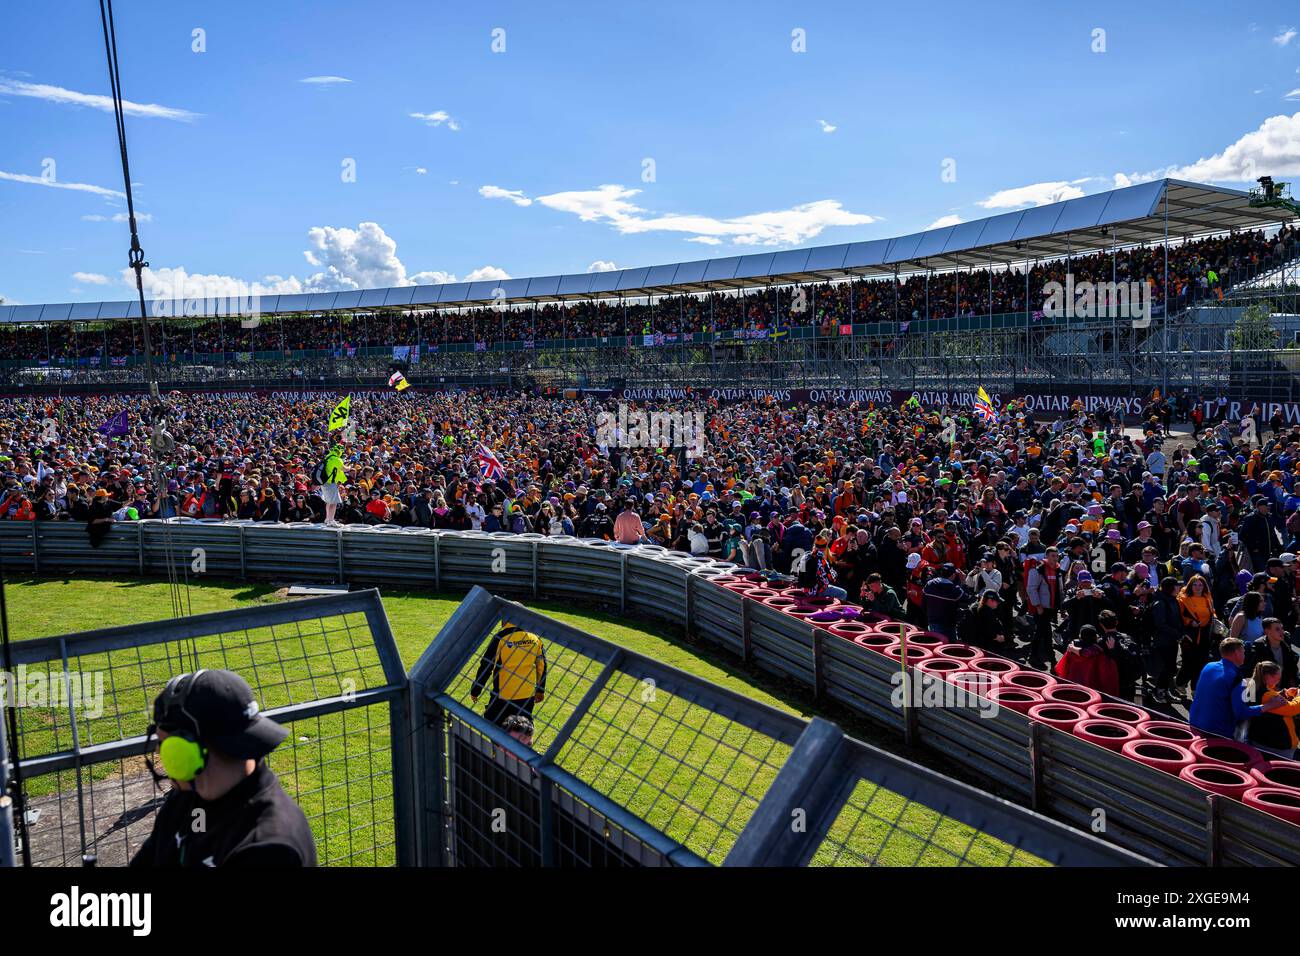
<point>633,763</point>
<point>1144,810</point>
<point>327,668</point>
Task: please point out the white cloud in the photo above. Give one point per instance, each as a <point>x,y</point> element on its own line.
<point>1121,181</point>
<point>57,94</point>
<point>1293,95</point>
<point>119,217</point>
<point>486,272</point>
<point>420,170</point>
<point>42,181</point>
<point>91,278</point>
<point>516,196</point>
<point>612,204</point>
<point>1284,36</point>
<point>1038,194</point>
<point>436,118</point>
<point>827,127</point>
<point>943,221</point>
<point>347,259</point>
<point>1271,150</point>
<point>705,240</point>
<point>325,80</point>
<point>602,265</point>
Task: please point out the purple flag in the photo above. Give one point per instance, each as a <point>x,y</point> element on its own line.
<point>115,426</point>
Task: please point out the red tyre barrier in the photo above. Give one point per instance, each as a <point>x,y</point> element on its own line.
<point>1278,801</point>
<point>995,665</point>
<point>1159,754</point>
<point>741,587</point>
<point>1226,752</point>
<point>825,619</point>
<point>927,639</point>
<point>820,602</point>
<point>850,630</point>
<point>801,611</point>
<point>1075,694</point>
<point>940,666</point>
<point>852,613</point>
<point>1277,774</point>
<point>974,682</point>
<point>959,652</point>
<point>779,602</point>
<point>1030,680</point>
<point>1169,731</point>
<point>755,577</point>
<point>1016,698</point>
<point>1110,734</point>
<point>914,654</point>
<point>762,594</point>
<point>879,643</point>
<point>1124,713</point>
<point>1059,715</point>
<point>1219,778</point>
<point>728,579</point>
<point>896,628</point>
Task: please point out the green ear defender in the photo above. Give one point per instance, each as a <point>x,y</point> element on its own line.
<point>181,758</point>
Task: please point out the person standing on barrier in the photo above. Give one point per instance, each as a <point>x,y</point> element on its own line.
<point>226,806</point>
<point>515,660</point>
<point>332,475</point>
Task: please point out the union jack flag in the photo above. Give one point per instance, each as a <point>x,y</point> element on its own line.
<point>489,465</point>
<point>984,407</point>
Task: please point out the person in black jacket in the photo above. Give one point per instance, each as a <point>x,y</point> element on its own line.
<point>983,625</point>
<point>1273,647</point>
<point>1166,634</point>
<point>1259,538</point>
<point>213,745</point>
<point>1124,651</point>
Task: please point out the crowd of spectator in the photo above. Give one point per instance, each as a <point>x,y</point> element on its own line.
<point>1120,557</point>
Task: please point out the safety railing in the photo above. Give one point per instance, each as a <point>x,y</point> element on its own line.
<point>1134,806</point>
<point>632,762</point>
<point>327,668</point>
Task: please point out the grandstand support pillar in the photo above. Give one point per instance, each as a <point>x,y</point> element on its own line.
<point>1213,835</point>
<point>1035,766</point>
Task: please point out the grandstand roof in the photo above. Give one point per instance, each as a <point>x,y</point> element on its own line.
<point>1127,216</point>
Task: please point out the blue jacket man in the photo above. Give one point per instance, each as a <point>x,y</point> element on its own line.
<point>943,600</point>
<point>1219,706</point>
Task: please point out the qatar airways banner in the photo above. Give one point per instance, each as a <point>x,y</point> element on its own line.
<point>1043,402</point>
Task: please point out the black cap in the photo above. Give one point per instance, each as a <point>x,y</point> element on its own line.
<point>1119,566</point>
<point>217,708</point>
<point>1258,500</point>
<point>991,593</point>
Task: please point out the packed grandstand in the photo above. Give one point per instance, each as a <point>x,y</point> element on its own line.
<point>1198,270</point>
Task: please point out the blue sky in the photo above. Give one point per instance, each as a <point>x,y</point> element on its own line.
<point>531,161</point>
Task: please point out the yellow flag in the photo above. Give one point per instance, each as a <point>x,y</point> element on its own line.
<point>339,417</point>
<point>984,396</point>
